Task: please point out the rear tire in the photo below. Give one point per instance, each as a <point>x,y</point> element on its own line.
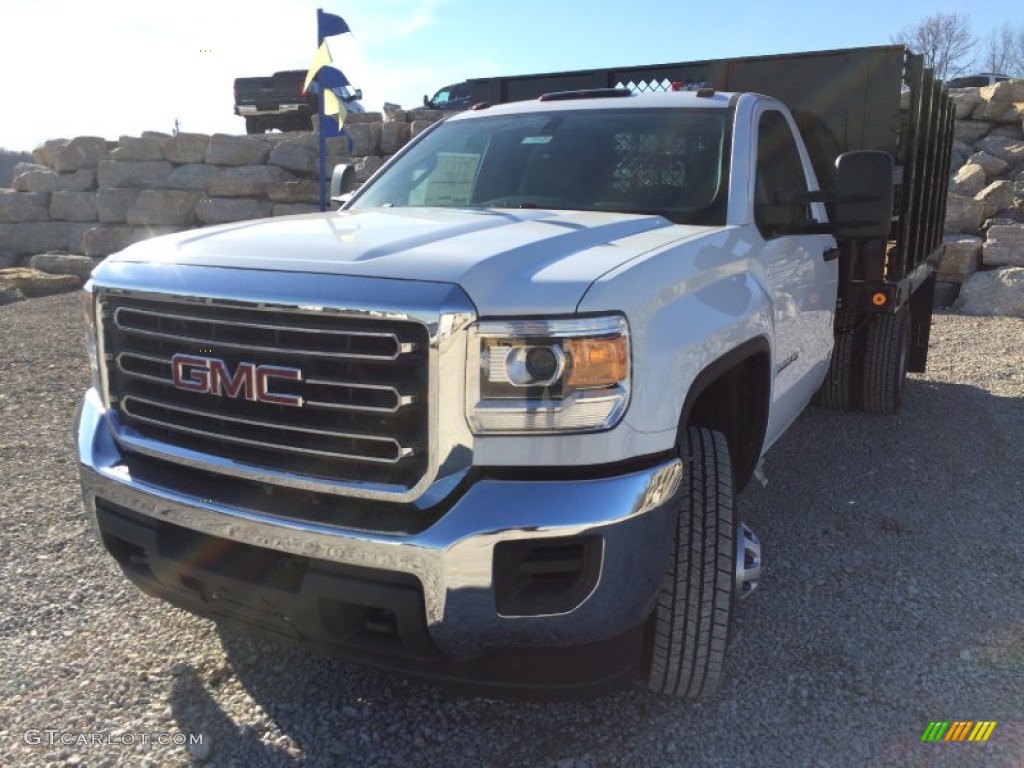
<point>885,362</point>
<point>254,125</point>
<point>690,625</point>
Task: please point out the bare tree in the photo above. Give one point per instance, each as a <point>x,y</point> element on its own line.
<point>944,39</point>
<point>1004,51</point>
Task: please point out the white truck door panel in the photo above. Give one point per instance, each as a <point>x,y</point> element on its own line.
<point>802,283</point>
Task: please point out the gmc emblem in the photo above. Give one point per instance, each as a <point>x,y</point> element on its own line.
<point>213,377</point>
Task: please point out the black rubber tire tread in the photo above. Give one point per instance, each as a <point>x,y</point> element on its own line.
<point>836,391</point>
<point>254,125</point>
<point>885,363</point>
<point>691,618</point>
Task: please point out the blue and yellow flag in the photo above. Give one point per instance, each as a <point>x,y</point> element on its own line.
<point>321,60</point>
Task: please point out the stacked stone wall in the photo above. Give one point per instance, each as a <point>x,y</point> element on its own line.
<point>91,197</point>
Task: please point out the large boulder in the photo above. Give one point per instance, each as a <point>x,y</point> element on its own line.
<point>367,166</point>
<point>964,214</point>
<point>63,264</point>
<point>999,292</point>
<point>73,206</point>
<point>968,181</point>
<point>996,196</point>
<point>46,154</point>
<point>353,118</point>
<point>393,113</point>
<point>1001,102</point>
<point>24,206</point>
<point>112,204</point>
<point>236,150</point>
<point>164,208</point>
<point>302,191</point>
<point>134,174</point>
<point>187,148</point>
<point>44,180</point>
<point>970,131</point>
<point>294,155</point>
<point>32,282</point>
<point>365,140</point>
<point>393,137</point>
<point>28,237</point>
<point>992,165</point>
<point>1005,148</point>
<point>80,152</point>
<point>1004,246</point>
<point>248,180</point>
<point>103,241</point>
<point>965,100</point>
<point>139,148</point>
<point>194,176</point>
<point>961,256</point>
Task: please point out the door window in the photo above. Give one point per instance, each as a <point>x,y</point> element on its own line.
<point>780,172</point>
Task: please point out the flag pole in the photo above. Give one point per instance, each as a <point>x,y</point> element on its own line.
<point>321,139</point>
<point>322,144</point>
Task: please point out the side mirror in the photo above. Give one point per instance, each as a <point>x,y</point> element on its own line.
<point>358,95</point>
<point>426,101</point>
<point>343,180</point>
<point>862,197</point>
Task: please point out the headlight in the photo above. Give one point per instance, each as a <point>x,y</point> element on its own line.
<point>89,309</point>
<point>564,375</point>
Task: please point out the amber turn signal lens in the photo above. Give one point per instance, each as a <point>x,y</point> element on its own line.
<point>879,299</point>
<point>596,362</point>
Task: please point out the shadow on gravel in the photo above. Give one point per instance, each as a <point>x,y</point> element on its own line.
<point>892,597</point>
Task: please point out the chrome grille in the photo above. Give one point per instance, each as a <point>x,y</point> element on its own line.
<point>362,390</point>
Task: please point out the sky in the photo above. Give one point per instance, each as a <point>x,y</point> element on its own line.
<point>110,68</point>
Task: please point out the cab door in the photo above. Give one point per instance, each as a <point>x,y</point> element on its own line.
<point>801,282</point>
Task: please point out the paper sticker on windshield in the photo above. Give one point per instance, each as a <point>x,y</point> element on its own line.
<point>537,140</point>
<point>450,182</point>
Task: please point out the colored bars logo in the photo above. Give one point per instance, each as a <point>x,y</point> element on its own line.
<point>960,730</point>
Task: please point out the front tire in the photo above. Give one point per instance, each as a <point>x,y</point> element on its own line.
<point>690,625</point>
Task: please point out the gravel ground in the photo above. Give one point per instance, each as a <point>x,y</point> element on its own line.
<point>892,598</point>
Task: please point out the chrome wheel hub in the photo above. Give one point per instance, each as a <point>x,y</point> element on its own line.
<point>748,561</point>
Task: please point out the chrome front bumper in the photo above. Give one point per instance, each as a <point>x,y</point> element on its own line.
<point>632,514</point>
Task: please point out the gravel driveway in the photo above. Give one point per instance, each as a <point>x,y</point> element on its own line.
<point>893,597</point>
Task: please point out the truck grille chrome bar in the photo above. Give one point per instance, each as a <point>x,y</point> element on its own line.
<point>292,393</point>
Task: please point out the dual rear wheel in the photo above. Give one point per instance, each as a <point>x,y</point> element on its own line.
<point>869,363</point>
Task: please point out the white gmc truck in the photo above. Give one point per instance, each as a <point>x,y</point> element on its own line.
<point>487,423</point>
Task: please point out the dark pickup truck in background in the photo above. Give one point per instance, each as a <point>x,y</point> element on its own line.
<point>455,97</point>
<point>279,102</point>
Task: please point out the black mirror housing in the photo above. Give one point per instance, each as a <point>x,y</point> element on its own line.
<point>861,199</point>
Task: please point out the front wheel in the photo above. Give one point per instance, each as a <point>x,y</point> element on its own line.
<point>714,560</point>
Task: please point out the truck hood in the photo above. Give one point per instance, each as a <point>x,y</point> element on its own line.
<point>508,262</point>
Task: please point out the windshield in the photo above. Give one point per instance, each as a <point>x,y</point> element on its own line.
<point>670,162</point>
